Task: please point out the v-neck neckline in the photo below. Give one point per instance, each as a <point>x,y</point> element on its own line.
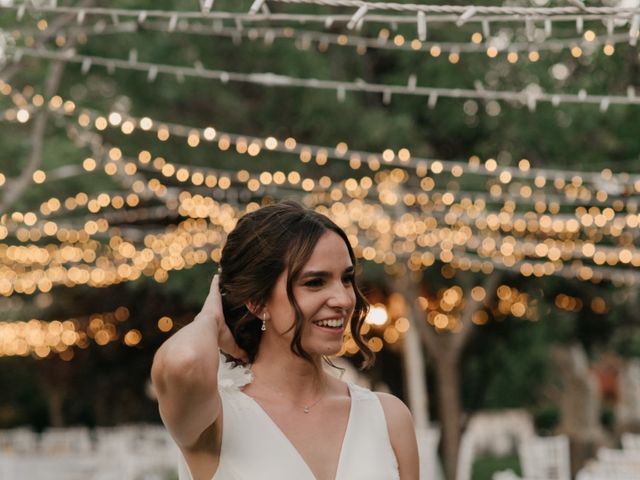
<point>296,452</point>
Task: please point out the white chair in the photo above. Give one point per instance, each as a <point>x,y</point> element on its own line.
<point>18,440</point>
<point>74,440</point>
<point>607,470</point>
<point>115,440</point>
<point>133,452</point>
<point>428,440</point>
<point>631,441</point>
<point>505,475</point>
<point>545,458</point>
<point>466,454</point>
<point>57,467</point>
<point>586,475</point>
<point>612,464</point>
<point>142,451</point>
<point>621,456</point>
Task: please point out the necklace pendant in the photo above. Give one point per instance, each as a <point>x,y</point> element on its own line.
<point>306,409</point>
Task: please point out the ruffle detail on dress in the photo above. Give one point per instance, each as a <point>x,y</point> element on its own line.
<point>232,377</point>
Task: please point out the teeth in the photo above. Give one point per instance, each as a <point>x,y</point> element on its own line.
<point>330,323</point>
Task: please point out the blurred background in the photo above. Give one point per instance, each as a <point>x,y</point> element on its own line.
<point>483,159</point>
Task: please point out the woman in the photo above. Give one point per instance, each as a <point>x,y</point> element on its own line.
<point>284,297</point>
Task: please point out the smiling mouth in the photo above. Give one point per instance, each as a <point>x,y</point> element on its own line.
<point>335,324</point>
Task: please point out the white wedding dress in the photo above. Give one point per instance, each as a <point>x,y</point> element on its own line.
<point>254,448</point>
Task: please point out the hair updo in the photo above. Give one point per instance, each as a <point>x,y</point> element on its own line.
<point>266,242</point>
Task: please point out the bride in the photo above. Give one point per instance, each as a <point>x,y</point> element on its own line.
<point>285,296</point>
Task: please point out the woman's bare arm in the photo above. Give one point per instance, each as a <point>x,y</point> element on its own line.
<point>402,435</point>
<point>184,372</point>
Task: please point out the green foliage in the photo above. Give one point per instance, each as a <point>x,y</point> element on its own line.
<point>607,417</point>
<point>505,364</point>
<point>23,400</point>
<point>546,418</point>
<point>485,467</point>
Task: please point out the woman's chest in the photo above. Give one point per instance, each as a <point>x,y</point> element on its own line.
<point>317,436</point>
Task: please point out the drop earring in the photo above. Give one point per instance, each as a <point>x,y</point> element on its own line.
<point>264,322</point>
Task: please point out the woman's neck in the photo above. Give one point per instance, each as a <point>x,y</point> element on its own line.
<point>286,374</point>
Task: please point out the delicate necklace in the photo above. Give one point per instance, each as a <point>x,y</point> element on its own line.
<point>307,408</point>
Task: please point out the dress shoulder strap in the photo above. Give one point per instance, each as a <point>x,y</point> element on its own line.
<point>367,450</point>
<point>359,393</point>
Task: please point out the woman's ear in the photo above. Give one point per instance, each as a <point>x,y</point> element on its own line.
<point>254,309</point>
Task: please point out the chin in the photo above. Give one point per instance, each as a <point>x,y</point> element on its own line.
<point>326,349</point>
<point>331,350</point>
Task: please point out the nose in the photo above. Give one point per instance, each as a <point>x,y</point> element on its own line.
<point>342,297</point>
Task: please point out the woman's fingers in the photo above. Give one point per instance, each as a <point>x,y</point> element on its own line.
<point>213,308</point>
<point>214,299</point>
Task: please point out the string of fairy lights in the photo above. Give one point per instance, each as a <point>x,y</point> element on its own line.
<point>508,220</point>
<point>418,15</point>
<point>443,321</point>
<point>528,97</point>
<point>480,42</point>
<point>612,184</point>
<point>487,222</point>
<point>162,167</point>
<point>491,246</point>
<point>396,207</point>
<point>553,252</point>
<point>402,158</point>
<point>181,20</point>
<point>40,338</point>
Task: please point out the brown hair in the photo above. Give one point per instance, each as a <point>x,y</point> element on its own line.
<point>264,244</point>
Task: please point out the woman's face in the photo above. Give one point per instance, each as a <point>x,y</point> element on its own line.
<point>325,294</point>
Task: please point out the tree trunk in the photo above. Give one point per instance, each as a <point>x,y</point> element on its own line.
<point>413,357</point>
<point>54,406</point>
<point>449,408</point>
<point>579,404</point>
<point>445,350</point>
<point>628,408</point>
<point>417,395</point>
<point>415,379</point>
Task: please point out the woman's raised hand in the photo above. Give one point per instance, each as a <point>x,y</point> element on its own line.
<point>212,311</point>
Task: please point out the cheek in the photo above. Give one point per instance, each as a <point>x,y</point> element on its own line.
<point>353,298</point>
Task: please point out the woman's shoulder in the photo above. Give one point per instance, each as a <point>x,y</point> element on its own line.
<point>395,410</point>
<point>392,405</point>
<point>401,433</point>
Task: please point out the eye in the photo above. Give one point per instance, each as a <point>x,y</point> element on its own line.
<point>314,282</point>
<point>349,278</point>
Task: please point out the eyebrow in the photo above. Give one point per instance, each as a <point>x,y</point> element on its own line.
<point>322,273</point>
